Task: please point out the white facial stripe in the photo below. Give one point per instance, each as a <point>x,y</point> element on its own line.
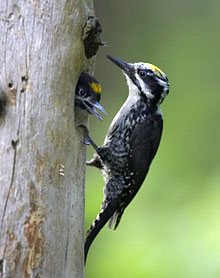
<point>144,86</point>
<point>162,83</point>
<point>133,89</point>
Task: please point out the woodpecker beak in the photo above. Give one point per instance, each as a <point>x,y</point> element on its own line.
<point>125,67</point>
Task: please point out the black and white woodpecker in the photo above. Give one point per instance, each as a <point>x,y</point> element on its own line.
<point>88,95</point>
<point>130,144</point>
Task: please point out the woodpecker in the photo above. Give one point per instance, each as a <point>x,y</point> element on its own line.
<point>130,144</point>
<point>88,94</point>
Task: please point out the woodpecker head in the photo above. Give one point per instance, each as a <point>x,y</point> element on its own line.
<point>88,94</point>
<point>144,79</point>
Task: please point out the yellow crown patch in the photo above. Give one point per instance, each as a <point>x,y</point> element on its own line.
<point>96,87</point>
<point>156,70</point>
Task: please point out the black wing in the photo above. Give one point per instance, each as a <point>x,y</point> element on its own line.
<point>144,143</point>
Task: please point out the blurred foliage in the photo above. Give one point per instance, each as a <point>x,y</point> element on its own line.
<point>172,228</point>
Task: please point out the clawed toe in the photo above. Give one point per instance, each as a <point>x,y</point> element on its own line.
<point>87,140</point>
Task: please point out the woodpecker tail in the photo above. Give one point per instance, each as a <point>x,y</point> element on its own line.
<point>100,221</point>
<point>115,219</point>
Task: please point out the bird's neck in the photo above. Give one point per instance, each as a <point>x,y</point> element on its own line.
<point>135,95</point>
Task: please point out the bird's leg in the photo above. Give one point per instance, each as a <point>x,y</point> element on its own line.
<point>104,153</point>
<point>87,139</point>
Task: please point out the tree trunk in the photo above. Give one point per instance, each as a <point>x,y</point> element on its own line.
<point>41,211</point>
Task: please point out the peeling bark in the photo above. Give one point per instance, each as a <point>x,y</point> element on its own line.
<point>41,211</point>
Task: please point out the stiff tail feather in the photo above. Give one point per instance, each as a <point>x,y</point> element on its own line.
<point>98,224</point>
<point>115,219</point>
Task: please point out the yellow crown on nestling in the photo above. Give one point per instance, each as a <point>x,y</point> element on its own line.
<point>96,87</point>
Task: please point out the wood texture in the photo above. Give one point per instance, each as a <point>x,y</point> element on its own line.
<point>41,211</point>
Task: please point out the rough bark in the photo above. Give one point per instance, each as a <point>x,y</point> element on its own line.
<point>41,211</point>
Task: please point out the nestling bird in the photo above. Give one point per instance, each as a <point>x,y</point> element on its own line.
<point>88,95</point>
<point>130,144</point>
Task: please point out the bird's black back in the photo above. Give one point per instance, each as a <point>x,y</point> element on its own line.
<point>129,148</point>
<point>144,143</point>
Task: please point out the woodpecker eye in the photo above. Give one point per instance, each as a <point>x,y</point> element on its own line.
<point>142,73</point>
<point>148,72</point>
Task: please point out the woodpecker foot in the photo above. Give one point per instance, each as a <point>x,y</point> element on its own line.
<point>95,162</point>
<point>87,139</point>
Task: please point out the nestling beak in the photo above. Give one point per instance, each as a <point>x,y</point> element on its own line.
<point>91,106</point>
<point>99,107</point>
<point>125,67</point>
<point>93,109</point>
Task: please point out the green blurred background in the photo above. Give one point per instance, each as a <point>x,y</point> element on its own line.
<point>172,228</point>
